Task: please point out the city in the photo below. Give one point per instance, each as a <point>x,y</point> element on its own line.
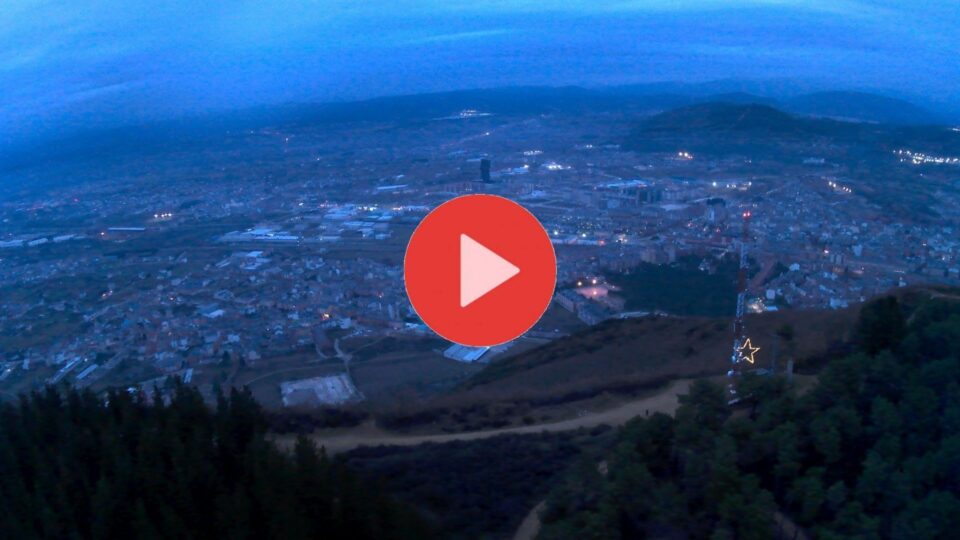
<point>271,269</point>
<point>421,270</point>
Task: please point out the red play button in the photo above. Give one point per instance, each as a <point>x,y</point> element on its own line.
<point>480,270</point>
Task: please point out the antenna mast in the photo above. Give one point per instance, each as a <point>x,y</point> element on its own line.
<point>743,351</point>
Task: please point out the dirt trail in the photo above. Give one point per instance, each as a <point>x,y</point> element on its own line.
<point>530,527</point>
<point>368,434</point>
<point>938,294</point>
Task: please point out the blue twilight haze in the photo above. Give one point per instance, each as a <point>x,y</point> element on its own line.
<point>67,63</point>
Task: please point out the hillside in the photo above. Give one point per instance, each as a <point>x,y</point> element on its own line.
<point>747,120</point>
<point>735,117</point>
<point>871,451</point>
<point>861,106</point>
<point>643,352</point>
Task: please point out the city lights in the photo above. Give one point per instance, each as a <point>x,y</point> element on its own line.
<point>920,158</point>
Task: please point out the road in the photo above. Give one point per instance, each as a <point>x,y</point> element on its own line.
<point>368,434</point>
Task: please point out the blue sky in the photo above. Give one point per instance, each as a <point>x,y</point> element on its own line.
<point>101,62</point>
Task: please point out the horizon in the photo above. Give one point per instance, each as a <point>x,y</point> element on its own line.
<point>774,93</point>
<point>108,64</point>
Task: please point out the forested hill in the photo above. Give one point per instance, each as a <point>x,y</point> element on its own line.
<point>872,451</point>
<point>75,466</point>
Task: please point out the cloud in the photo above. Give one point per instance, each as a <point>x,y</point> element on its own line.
<point>100,92</point>
<point>458,36</point>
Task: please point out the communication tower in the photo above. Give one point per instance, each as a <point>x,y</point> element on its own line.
<point>742,357</point>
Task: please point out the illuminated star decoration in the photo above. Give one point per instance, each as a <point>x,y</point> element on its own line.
<point>746,351</point>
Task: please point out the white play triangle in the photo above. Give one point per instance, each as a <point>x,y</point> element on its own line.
<point>481,270</point>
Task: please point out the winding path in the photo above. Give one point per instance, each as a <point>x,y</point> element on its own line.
<point>368,434</point>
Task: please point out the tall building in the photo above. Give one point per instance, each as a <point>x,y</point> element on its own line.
<point>485,170</point>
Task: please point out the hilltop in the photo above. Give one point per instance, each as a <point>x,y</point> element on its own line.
<point>747,118</point>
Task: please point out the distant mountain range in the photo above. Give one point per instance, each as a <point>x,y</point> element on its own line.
<point>852,106</point>
<point>638,99</point>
